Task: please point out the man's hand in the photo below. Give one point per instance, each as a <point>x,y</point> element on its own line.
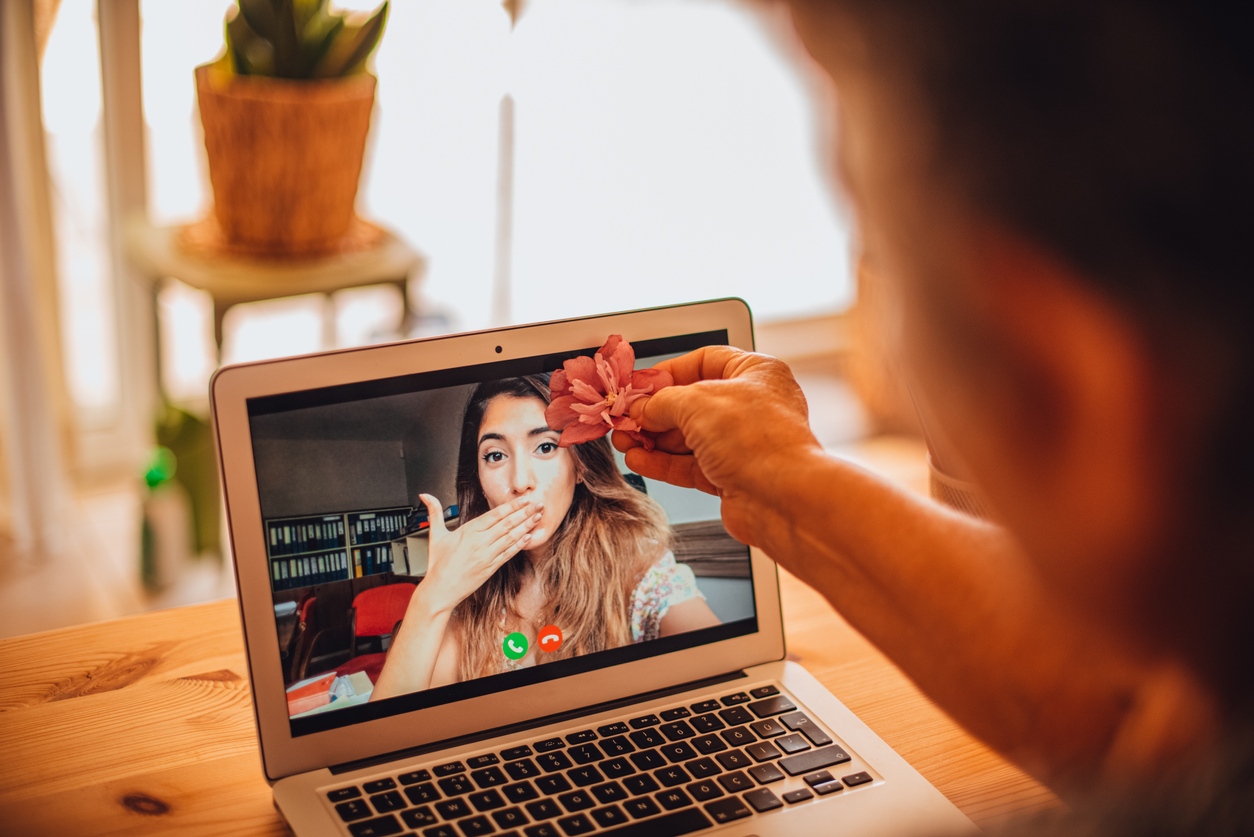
<point>734,424</point>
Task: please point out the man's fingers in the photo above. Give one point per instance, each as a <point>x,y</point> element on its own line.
<point>665,411</point>
<point>682,471</point>
<point>435,515</point>
<point>672,441</point>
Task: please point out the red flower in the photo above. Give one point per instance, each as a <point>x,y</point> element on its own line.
<point>591,395</point>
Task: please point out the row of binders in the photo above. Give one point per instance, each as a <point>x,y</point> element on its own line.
<point>309,570</point>
<point>377,527</point>
<point>302,536</point>
<point>371,560</point>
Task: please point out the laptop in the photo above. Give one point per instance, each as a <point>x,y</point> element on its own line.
<point>417,670</point>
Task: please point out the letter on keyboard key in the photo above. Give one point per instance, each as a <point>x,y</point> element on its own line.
<point>476,826</point>
<point>341,794</point>
<point>378,827</point>
<point>800,722</point>
<point>776,705</point>
<point>578,824</point>
<point>726,810</point>
<point>813,760</point>
<point>763,800</point>
<point>356,809</point>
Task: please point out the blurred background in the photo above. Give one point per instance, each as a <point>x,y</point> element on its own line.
<point>652,152</point>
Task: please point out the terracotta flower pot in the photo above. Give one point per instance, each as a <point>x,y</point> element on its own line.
<point>284,158</point>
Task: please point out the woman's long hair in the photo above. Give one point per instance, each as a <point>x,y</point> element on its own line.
<point>609,538</point>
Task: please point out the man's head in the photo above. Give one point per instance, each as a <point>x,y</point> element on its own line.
<point>1059,194</point>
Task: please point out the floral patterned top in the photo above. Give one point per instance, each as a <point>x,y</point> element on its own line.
<point>666,584</point>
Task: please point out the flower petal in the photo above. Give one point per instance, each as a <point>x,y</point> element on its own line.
<point>580,432</point>
<point>582,368</point>
<point>622,362</point>
<point>611,344</point>
<point>559,414</point>
<point>558,385</point>
<point>587,393</point>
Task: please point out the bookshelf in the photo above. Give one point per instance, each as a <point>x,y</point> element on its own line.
<point>371,535</point>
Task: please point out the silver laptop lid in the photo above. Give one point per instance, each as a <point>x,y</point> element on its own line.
<point>333,466</point>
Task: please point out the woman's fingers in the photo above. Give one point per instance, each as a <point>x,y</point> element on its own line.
<point>515,541</point>
<point>493,517</point>
<point>435,516</point>
<point>510,528</point>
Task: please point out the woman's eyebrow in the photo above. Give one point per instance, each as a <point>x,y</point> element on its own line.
<point>541,430</point>
<point>533,432</point>
<point>486,436</point>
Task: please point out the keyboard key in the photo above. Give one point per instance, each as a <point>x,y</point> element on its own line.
<point>776,705</point>
<point>585,754</point>
<point>441,831</point>
<point>799,795</point>
<point>734,700</point>
<point>341,794</point>
<point>378,827</point>
<point>800,722</point>
<point>456,785</point>
<point>574,801</point>
<point>703,791</point>
<point>763,691</point>
<point>490,777</point>
<point>419,817</point>
<point>610,816</point>
<point>486,800</point>
<point>856,779</point>
<point>616,728</point>
<point>357,809</point>
<point>818,777</point>
<point>379,785</point>
<point>677,731</point>
<point>646,738</point>
<point>549,744</point>
<point>726,810</point>
<point>543,809</point>
<point>425,792</point>
<point>608,792</point>
<point>738,736</point>
<point>733,760</point>
<point>581,737</point>
<point>617,768</point>
<point>414,777</point>
<point>704,706</point>
<point>813,760</point>
<point>449,769</point>
<point>828,787</point>
<point>552,762</point>
<point>520,792</point>
<point>676,753</point>
<point>768,728</point>
<point>542,830</point>
<point>669,825</point>
<point>673,798</point>
<point>617,746</point>
<point>516,753</point>
<point>641,807</point>
<point>763,800</point>
<point>578,824</point>
<point>453,809</point>
<point>482,761</point>
<point>672,776</point>
<point>643,783</point>
<point>645,721</point>
<point>766,773</point>
<point>385,802</point>
<point>701,768</point>
<point>736,716</point>
<point>675,714</point>
<point>521,769</point>
<point>736,782</point>
<point>510,818</point>
<point>585,776</point>
<point>476,826</point>
<point>550,785</point>
<point>762,751</point>
<point>647,760</point>
<point>707,723</point>
<point>706,744</point>
<point>794,743</point>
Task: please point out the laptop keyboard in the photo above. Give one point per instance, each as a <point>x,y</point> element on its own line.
<point>671,772</point>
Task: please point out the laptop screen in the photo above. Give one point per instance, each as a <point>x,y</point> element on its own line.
<point>428,541</point>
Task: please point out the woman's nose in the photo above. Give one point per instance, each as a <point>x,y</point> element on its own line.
<point>524,476</point>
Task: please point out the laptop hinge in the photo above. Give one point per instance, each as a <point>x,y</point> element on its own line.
<point>449,743</point>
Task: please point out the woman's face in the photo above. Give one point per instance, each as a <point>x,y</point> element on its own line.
<point>518,454</point>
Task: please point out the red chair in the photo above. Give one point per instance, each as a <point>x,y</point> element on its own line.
<point>375,617</point>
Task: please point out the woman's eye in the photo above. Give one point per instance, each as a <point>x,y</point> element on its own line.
<point>547,447</point>
<point>493,456</point>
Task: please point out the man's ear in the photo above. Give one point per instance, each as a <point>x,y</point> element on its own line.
<point>1089,395</point>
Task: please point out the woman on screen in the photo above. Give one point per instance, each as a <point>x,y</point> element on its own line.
<point>549,536</point>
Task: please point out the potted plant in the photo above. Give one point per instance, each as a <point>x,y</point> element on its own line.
<point>285,112</point>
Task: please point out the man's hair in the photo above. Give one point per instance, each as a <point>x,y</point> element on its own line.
<point>1118,135</point>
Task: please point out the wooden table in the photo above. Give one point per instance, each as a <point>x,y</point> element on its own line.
<point>144,724</point>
